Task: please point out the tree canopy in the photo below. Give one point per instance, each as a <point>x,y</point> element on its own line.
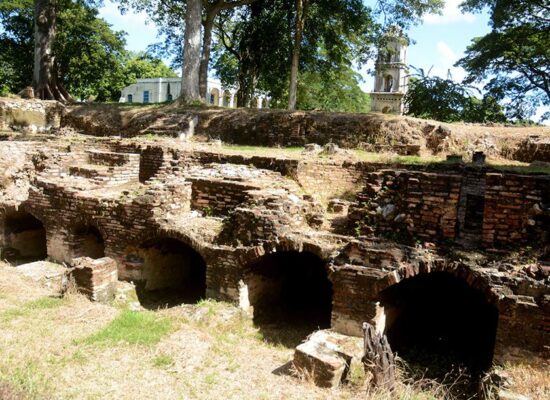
<point>449,101</point>
<point>91,60</point>
<point>513,60</point>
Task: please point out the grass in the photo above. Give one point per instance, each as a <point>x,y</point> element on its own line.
<point>163,361</point>
<point>75,349</point>
<point>29,308</point>
<point>132,327</point>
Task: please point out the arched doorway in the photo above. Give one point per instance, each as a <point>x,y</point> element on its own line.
<point>24,238</point>
<point>215,97</point>
<point>88,242</point>
<point>439,323</point>
<point>173,273</point>
<point>227,98</point>
<point>291,295</point>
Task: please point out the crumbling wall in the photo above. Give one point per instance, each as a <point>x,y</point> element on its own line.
<point>31,115</point>
<point>407,203</point>
<point>513,205</point>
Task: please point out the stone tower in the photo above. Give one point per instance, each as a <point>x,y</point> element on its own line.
<point>392,75</point>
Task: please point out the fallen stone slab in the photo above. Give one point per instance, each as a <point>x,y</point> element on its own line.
<point>49,275</point>
<point>326,357</point>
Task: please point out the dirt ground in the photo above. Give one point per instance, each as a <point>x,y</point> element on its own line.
<point>372,131</point>
<point>210,351</point>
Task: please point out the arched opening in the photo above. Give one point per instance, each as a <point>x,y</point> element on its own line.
<point>215,97</point>
<point>291,295</point>
<point>173,273</point>
<point>388,83</point>
<point>226,98</point>
<point>88,242</point>
<point>24,238</point>
<point>386,110</point>
<point>439,323</point>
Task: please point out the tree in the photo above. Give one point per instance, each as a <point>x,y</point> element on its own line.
<point>169,14</point>
<point>301,12</point>
<point>191,52</point>
<point>335,90</point>
<point>45,82</point>
<point>449,101</point>
<point>212,9</point>
<point>513,60</point>
<point>90,59</point>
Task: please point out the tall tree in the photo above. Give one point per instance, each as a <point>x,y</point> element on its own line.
<point>212,8</point>
<point>513,60</point>
<point>191,52</point>
<point>45,81</point>
<point>301,12</point>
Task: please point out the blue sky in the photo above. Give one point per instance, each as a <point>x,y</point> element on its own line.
<point>440,40</point>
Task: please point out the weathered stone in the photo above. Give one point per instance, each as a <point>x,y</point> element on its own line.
<point>326,357</point>
<point>97,279</point>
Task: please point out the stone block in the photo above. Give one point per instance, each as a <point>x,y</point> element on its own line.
<point>97,279</point>
<point>326,357</point>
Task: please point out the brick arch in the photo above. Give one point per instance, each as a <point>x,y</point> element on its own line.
<point>157,234</point>
<point>255,254</point>
<point>473,278</point>
<point>80,224</point>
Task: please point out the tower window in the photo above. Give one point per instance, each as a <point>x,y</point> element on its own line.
<point>388,83</point>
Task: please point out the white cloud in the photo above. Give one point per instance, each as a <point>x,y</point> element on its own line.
<point>111,14</point>
<point>451,13</point>
<point>446,59</point>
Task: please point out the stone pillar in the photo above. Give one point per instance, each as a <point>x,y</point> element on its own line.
<point>232,101</point>
<point>260,101</point>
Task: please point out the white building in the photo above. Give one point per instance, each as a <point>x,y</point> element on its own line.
<point>158,90</point>
<point>391,81</point>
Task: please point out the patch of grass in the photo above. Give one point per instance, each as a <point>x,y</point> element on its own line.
<point>28,381</point>
<point>27,309</point>
<point>132,327</point>
<point>261,150</point>
<point>522,169</point>
<point>163,361</point>
<point>390,158</point>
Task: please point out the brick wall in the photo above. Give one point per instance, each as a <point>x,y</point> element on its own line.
<point>514,205</point>
<point>420,204</point>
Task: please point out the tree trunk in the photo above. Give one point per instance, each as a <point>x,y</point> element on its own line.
<point>300,18</point>
<point>378,358</point>
<point>206,46</point>
<point>45,82</point>
<point>191,52</point>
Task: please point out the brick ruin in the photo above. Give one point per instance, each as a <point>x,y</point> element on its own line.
<point>315,242</point>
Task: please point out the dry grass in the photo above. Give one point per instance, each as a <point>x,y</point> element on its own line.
<point>205,351</point>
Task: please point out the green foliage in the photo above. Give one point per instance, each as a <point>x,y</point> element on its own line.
<point>334,90</point>
<point>449,101</point>
<point>513,59</point>
<point>132,327</point>
<point>91,60</point>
